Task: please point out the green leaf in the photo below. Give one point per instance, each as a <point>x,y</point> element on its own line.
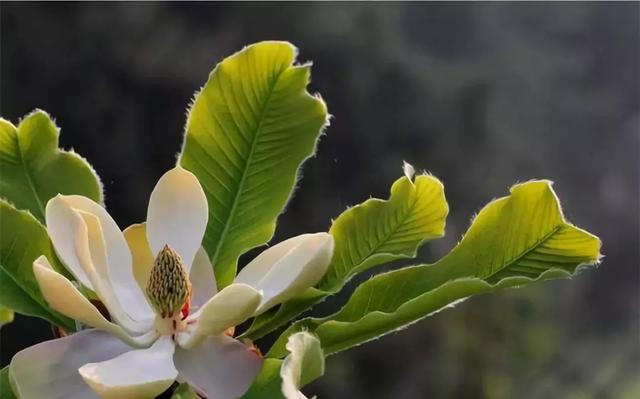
<point>379,231</point>
<point>374,232</point>
<point>248,131</point>
<point>33,168</point>
<point>5,387</point>
<point>184,391</point>
<point>513,241</point>
<point>304,364</point>
<point>22,240</point>
<point>6,315</point>
<point>268,384</point>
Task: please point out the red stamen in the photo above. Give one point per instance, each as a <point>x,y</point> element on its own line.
<point>185,309</point>
<point>187,304</point>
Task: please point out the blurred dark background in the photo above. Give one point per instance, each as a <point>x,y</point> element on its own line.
<point>482,95</point>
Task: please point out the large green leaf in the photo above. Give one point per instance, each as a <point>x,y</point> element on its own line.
<point>33,168</point>
<point>513,241</point>
<point>5,387</point>
<point>22,240</point>
<point>374,232</point>
<point>248,131</point>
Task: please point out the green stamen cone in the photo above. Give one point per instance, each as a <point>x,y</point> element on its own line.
<point>168,286</point>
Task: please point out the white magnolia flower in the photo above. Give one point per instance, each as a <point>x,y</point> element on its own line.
<point>167,320</point>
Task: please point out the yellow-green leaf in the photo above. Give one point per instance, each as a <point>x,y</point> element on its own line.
<point>22,240</point>
<point>34,169</point>
<point>374,232</point>
<point>513,241</point>
<point>248,131</point>
<point>379,231</point>
<point>6,315</point>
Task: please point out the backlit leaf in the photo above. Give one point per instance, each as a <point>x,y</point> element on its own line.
<point>374,232</point>
<point>22,240</point>
<point>34,169</point>
<point>513,241</point>
<point>248,131</point>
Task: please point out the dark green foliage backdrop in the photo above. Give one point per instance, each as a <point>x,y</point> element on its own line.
<point>481,95</point>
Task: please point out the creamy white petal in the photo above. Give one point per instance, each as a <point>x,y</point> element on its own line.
<point>136,236</point>
<point>138,374</point>
<point>90,248</point>
<point>119,263</point>
<point>64,297</point>
<point>203,282</point>
<point>63,228</point>
<point>177,214</point>
<point>219,368</point>
<point>261,265</point>
<point>228,308</point>
<point>50,369</point>
<point>304,364</point>
<point>287,269</point>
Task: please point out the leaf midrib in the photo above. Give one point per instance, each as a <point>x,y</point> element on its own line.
<point>507,264</point>
<point>337,347</point>
<point>234,205</point>
<point>29,178</point>
<point>533,247</point>
<point>364,259</point>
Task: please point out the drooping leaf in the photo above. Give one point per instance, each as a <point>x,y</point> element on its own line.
<point>249,130</point>
<point>304,364</point>
<point>22,240</point>
<point>184,391</point>
<point>6,315</point>
<point>268,383</point>
<point>33,168</point>
<point>5,387</point>
<point>513,241</point>
<point>374,232</point>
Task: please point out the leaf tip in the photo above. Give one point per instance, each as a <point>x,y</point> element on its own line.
<point>409,170</point>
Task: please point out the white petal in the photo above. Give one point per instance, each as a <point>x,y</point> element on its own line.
<point>91,251</point>
<point>119,262</point>
<point>138,374</point>
<point>287,269</point>
<point>203,281</point>
<point>64,297</point>
<point>136,236</point>
<point>78,238</point>
<point>63,228</point>
<point>50,369</point>
<point>228,308</point>
<point>304,364</point>
<point>177,214</point>
<point>219,368</point>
